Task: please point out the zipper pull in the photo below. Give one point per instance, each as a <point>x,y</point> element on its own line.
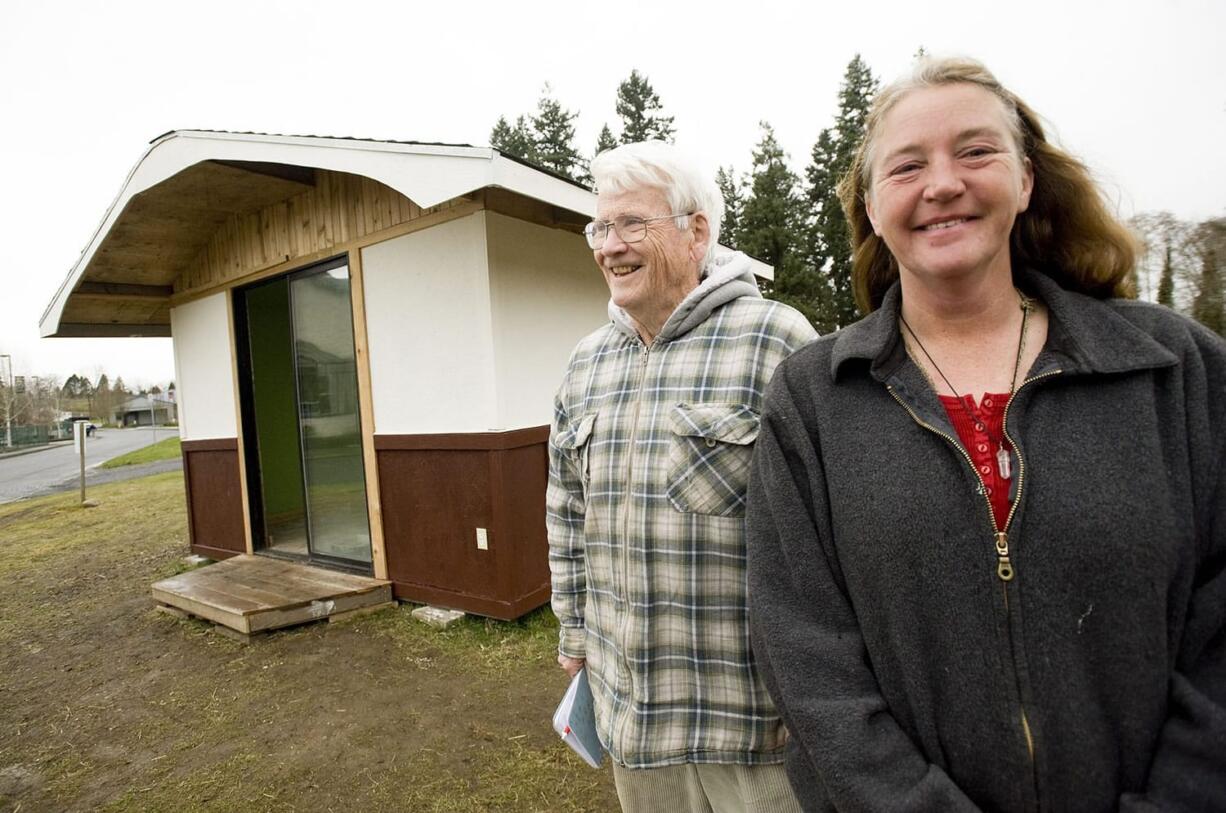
<point>1004,568</point>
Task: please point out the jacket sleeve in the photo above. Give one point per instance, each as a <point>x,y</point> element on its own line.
<point>565,507</point>
<point>806,641</point>
<point>1188,771</point>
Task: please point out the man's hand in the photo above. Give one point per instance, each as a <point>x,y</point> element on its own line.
<point>570,665</point>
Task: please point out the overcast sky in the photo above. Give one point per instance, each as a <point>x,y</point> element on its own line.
<point>1137,89</point>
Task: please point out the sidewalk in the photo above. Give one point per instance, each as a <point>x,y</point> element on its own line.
<point>32,449</point>
<point>96,475</point>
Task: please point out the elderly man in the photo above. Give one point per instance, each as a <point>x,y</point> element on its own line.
<point>649,459</point>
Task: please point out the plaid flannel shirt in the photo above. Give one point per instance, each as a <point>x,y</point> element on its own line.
<point>649,462</point>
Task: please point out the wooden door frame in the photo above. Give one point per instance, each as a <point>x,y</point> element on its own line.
<point>357,300</point>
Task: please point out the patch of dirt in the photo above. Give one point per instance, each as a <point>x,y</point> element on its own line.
<point>16,780</point>
<point>107,704</point>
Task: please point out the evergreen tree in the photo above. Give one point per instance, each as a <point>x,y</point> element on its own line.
<point>546,138</point>
<point>553,129</point>
<point>769,227</point>
<point>77,386</point>
<point>639,108</point>
<point>1166,284</point>
<point>605,141</point>
<point>77,394</point>
<point>1209,306</point>
<point>514,140</point>
<point>823,209</point>
<point>828,240</point>
<point>733,190</point>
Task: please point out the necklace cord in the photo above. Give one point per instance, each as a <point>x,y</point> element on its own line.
<point>1017,363</point>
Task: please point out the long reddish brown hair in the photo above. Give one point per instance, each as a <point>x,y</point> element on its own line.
<point>1066,232</point>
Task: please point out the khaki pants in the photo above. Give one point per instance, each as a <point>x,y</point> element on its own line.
<point>705,789</point>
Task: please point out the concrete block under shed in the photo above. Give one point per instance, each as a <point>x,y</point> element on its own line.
<point>437,616</point>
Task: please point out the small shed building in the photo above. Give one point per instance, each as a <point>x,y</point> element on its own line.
<point>367,338</point>
<point>144,410</point>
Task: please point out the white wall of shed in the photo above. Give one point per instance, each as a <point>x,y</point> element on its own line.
<point>204,368</point>
<point>546,294</point>
<point>428,329</point>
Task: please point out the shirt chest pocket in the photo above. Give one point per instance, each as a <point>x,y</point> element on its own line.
<point>709,457</point>
<point>573,442</point>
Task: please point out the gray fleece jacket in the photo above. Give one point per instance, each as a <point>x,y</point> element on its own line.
<point>909,673</point>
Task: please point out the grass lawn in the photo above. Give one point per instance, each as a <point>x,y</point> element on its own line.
<point>106,704</point>
<point>167,449</point>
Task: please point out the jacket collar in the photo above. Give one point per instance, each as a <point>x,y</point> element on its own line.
<point>1084,334</point>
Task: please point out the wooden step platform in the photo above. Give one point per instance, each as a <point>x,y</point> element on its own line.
<point>250,594</point>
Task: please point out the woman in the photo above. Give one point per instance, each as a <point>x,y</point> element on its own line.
<point>987,523</point>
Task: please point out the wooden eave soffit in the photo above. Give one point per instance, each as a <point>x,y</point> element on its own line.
<point>117,291</point>
<point>161,229</point>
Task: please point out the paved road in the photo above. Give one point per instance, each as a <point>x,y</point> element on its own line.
<point>57,468</point>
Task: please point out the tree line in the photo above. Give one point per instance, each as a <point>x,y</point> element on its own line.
<point>796,223</point>
<point>1181,265</point>
<point>45,400</point>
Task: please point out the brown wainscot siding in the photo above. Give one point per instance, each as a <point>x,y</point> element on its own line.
<point>214,497</point>
<point>436,490</point>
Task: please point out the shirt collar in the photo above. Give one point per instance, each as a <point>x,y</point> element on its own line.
<point>1088,334</point>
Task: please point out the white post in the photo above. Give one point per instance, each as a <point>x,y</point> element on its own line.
<point>78,435</point>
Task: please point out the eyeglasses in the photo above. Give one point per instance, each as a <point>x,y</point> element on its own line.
<point>629,229</point>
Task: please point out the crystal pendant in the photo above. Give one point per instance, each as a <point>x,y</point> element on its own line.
<point>1003,464</point>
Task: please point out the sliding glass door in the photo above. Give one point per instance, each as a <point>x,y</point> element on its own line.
<point>300,416</point>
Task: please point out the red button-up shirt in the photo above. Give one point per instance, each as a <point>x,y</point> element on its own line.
<point>977,435</point>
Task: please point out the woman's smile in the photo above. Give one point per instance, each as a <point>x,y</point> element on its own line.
<point>949,184</point>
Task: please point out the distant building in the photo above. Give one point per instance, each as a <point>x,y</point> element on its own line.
<point>145,411</point>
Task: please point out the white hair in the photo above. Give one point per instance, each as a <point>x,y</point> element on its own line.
<point>662,166</point>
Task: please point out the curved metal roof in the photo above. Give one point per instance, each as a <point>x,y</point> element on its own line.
<point>189,181</point>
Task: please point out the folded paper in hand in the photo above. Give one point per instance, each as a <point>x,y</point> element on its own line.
<point>575,721</point>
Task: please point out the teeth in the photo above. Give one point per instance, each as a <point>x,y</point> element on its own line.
<point>945,225</point>
<point>623,270</point>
